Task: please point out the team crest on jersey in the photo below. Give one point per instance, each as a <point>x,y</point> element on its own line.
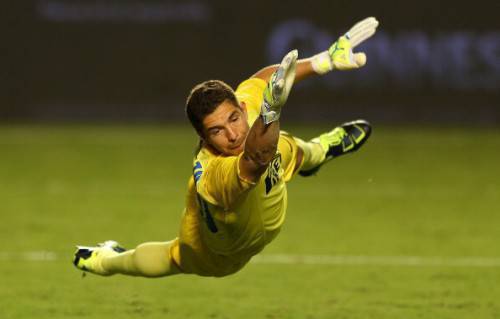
<point>273,173</point>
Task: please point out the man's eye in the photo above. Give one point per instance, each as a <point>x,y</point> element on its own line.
<point>234,118</point>
<point>215,132</point>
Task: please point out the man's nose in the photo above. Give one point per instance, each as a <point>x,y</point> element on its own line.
<point>231,134</point>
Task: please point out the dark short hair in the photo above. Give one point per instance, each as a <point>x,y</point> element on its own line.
<point>204,99</point>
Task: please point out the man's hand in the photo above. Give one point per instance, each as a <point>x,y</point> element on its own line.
<point>278,88</point>
<point>340,56</point>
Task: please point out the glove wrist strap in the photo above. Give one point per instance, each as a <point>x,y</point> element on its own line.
<point>322,63</point>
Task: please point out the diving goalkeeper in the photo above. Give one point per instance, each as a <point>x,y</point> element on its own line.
<point>237,195</point>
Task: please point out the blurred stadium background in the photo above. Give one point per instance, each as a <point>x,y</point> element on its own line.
<point>431,61</point>
<point>94,145</point>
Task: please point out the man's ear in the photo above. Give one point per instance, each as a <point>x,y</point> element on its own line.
<point>243,107</point>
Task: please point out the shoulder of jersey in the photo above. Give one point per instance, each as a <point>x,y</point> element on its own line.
<point>200,163</point>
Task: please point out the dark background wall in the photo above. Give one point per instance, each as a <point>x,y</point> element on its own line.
<point>431,61</point>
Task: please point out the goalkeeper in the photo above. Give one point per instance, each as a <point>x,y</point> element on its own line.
<point>237,197</point>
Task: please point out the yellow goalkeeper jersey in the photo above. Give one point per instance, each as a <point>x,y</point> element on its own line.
<point>227,218</point>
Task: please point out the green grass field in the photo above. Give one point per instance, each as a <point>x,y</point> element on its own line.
<point>430,193</point>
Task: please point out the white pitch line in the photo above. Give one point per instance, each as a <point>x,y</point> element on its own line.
<point>29,256</point>
<point>334,260</point>
<point>411,261</point>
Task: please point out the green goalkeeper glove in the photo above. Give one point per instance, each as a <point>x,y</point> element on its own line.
<point>340,56</point>
<point>278,88</point>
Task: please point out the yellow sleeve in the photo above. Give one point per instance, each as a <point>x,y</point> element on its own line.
<point>288,149</point>
<point>220,183</point>
<point>251,93</point>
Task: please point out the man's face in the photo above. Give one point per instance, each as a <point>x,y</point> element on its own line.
<point>226,129</point>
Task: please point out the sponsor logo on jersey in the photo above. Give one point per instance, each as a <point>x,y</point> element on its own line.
<point>273,175</point>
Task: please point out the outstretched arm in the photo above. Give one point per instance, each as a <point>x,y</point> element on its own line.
<point>338,57</point>
<point>304,70</point>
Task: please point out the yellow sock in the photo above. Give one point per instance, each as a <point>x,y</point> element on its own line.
<point>151,259</point>
<point>313,156</point>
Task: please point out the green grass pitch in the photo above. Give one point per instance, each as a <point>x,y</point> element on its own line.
<point>431,193</point>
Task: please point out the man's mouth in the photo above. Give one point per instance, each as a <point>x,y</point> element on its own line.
<point>235,146</point>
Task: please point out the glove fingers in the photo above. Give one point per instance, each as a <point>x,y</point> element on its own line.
<point>278,87</point>
<point>287,64</point>
<point>370,22</point>
<point>362,31</point>
<point>284,77</point>
<point>359,32</point>
<point>287,83</point>
<point>290,58</point>
<point>360,37</point>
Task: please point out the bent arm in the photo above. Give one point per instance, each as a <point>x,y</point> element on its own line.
<point>262,141</point>
<point>260,148</point>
